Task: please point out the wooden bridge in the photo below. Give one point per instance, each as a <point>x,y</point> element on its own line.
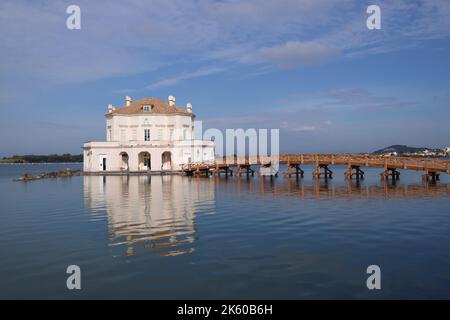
<point>431,168</point>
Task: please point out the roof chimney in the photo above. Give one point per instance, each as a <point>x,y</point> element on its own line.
<point>111,108</point>
<point>128,101</point>
<point>171,101</point>
<point>189,107</point>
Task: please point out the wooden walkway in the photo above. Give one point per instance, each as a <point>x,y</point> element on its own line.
<point>431,168</point>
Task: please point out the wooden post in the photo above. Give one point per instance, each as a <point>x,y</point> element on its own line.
<point>349,173</point>
<point>299,170</point>
<point>390,172</point>
<point>433,175</point>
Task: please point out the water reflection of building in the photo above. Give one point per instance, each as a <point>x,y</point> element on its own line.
<point>150,213</point>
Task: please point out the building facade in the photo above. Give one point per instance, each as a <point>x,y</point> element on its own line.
<point>147,135</point>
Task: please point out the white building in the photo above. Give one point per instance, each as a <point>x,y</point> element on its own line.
<point>147,135</point>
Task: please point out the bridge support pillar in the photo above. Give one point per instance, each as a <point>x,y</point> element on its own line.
<point>267,170</point>
<point>248,170</point>
<point>429,174</point>
<point>327,173</point>
<point>359,174</point>
<point>298,171</point>
<point>189,173</point>
<point>217,170</point>
<point>390,172</point>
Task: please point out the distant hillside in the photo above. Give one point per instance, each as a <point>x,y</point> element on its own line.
<point>400,149</point>
<point>52,158</point>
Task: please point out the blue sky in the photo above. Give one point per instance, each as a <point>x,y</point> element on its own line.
<point>310,68</point>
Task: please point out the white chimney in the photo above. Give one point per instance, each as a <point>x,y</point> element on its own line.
<point>111,108</point>
<point>189,107</point>
<point>128,101</point>
<point>171,101</point>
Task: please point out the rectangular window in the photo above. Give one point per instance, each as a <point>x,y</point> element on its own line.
<point>134,135</point>
<point>185,134</point>
<point>123,135</point>
<point>147,134</point>
<point>171,134</point>
<point>160,134</point>
<point>147,108</point>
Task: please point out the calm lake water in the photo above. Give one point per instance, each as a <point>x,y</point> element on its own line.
<point>173,237</point>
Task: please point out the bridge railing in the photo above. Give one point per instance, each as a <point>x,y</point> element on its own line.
<point>337,159</point>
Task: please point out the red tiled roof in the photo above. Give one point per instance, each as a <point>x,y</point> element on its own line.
<point>156,105</point>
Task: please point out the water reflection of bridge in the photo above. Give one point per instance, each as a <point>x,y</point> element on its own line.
<point>326,189</point>
<point>149,213</point>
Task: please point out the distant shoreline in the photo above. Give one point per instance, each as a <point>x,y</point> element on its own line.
<point>42,159</point>
<point>36,163</point>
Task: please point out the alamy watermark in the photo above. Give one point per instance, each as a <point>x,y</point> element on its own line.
<point>374,280</point>
<point>74,280</point>
<point>73,21</point>
<point>251,145</point>
<point>373,22</point>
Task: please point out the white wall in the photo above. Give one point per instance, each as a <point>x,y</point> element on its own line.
<point>117,125</point>
<point>181,153</point>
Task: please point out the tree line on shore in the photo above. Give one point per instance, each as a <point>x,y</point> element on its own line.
<point>51,158</point>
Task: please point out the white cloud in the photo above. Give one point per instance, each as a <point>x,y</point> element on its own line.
<point>123,38</point>
<point>202,72</point>
<point>293,53</point>
<point>306,114</point>
<point>302,128</point>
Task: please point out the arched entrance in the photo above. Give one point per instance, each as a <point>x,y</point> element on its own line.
<point>166,160</point>
<point>124,161</point>
<point>145,161</point>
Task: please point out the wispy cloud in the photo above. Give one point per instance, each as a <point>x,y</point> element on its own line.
<point>318,111</point>
<point>202,72</point>
<point>294,53</point>
<point>297,128</point>
<point>139,36</point>
<point>360,99</point>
